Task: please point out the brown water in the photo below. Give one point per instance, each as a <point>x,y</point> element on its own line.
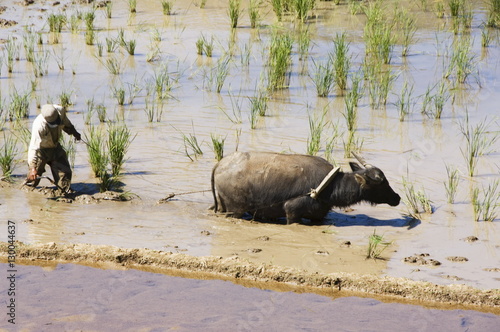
<point>89,299</point>
<point>416,148</point>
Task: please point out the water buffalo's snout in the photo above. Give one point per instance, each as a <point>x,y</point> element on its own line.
<point>395,200</point>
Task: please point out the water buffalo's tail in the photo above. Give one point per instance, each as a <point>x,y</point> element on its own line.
<point>212,181</point>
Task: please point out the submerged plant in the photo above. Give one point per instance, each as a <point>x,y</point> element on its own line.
<point>8,153</point>
<point>376,245</point>
<point>218,146</point>
<point>119,140</point>
<point>451,185</point>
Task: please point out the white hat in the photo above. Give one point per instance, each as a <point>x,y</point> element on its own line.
<point>50,113</point>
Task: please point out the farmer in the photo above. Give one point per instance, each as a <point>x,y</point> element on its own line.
<point>45,147</point>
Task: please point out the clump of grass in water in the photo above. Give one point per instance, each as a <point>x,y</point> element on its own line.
<point>96,148</point>
<point>485,37</point>
<point>341,62</point>
<point>218,146</point>
<point>90,111</point>
<point>279,61</point>
<point>56,22</point>
<point>101,112</point>
<point>456,7</point>
<point>258,103</point>
<point>331,142</point>
<point>485,208</point>
<point>493,13</point>
<point>253,13</point>
<point>408,28</point>
<point>70,147</point>
<point>19,105</point>
<point>234,12</point>
<point>324,77</point>
<point>451,185</point>
<point>132,6</point>
<point>12,48</point>
<point>353,143</point>
<point>463,63</point>
<point>278,8</point>
<point>316,127</point>
<point>416,201</point>
<point>404,101</point>
<point>119,140</point>
<point>65,99</point>
<point>376,245</point>
<point>304,40</point>
<point>433,104</point>
<point>191,144</point>
<point>378,35</point>
<point>119,94</point>
<point>130,46</point>
<point>476,142</point>
<point>109,9</point>
<point>220,73</point>
<point>302,8</point>
<point>167,7</point>
<point>8,153</point>
<point>112,64</point>
<point>153,108</point>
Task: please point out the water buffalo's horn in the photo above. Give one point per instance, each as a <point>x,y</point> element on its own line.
<point>361,160</point>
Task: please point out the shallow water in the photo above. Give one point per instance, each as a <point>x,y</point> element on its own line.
<point>417,148</point>
<point>87,298</point>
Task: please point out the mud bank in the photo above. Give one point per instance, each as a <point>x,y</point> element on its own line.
<point>235,268</point>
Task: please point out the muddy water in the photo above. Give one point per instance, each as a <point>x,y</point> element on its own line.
<point>87,298</point>
<point>417,148</point>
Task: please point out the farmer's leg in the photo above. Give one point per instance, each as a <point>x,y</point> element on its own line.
<point>61,169</point>
<point>39,166</point>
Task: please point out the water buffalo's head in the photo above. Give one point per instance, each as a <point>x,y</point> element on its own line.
<point>375,187</point>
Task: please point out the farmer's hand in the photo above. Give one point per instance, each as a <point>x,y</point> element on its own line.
<point>77,135</point>
<point>32,175</point>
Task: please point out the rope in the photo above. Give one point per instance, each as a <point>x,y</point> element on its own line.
<point>172,195</point>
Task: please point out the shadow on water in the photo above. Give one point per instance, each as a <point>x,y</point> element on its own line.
<point>339,220</point>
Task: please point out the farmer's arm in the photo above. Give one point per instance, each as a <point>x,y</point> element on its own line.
<point>69,128</point>
<point>38,134</point>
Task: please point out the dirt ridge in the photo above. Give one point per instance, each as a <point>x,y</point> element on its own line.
<point>234,267</point>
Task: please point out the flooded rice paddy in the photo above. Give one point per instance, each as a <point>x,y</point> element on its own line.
<point>415,150</point>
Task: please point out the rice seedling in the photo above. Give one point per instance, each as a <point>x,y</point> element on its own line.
<point>22,133</point>
<point>96,148</point>
<point>65,99</point>
<point>203,3</point>
<point>101,112</point>
<point>493,13</point>
<point>451,185</point>
<point>19,105</point>
<point>350,113</point>
<point>192,148</point>
<point>378,35</point>
<point>485,37</point>
<point>456,6</point>
<point>258,103</point>
<point>208,46</point>
<point>340,60</point>
<point>130,46</point>
<point>111,45</point>
<point>218,146</point>
<point>74,23</point>
<point>133,90</point>
<point>88,18</point>
<point>112,64</point>
<point>355,7</point>
<point>331,143</point>
<point>408,29</point>
<point>324,77</point>
<point>234,12</point>
<point>90,37</point>
<point>439,10</point>
<point>316,127</point>
<point>132,6</point>
<point>12,48</point>
<point>100,49</point>
<point>56,22</point>
<point>163,82</point>
<point>253,13</point>
<point>153,108</point>
<point>167,7</point>
<point>485,207</point>
<point>40,63</point>
<point>404,102</point>
<point>119,140</point>
<point>29,42</point>
<point>278,8</point>
<point>8,153</point>
<point>477,142</point>
<point>59,58</point>
<point>220,73</point>
<point>69,146</point>
<point>236,105</point>
<point>416,202</point>
<point>90,111</point>
<point>253,117</point>
<point>109,9</point>
<point>463,63</point>
<point>119,94</point>
<point>376,245</point>
<point>302,8</point>
<point>356,91</point>
<point>304,40</point>
<point>433,104</point>
<point>353,143</point>
<point>279,61</point>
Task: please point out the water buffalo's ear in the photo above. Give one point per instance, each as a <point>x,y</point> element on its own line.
<point>360,179</point>
<point>354,166</point>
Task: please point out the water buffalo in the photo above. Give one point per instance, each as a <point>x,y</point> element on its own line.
<point>273,185</point>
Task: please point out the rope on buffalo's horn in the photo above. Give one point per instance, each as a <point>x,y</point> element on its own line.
<point>172,195</point>
<point>328,178</point>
